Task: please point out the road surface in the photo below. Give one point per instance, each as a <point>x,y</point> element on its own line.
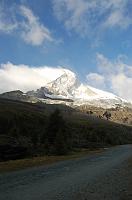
<point>89,178</point>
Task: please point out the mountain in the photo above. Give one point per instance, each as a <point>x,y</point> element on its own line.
<point>19,96</point>
<point>69,90</point>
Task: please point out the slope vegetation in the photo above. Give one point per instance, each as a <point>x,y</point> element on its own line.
<point>28,129</point>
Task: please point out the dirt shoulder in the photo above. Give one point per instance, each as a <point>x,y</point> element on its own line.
<point>19,164</point>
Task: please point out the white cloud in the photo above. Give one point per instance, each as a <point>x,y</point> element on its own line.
<point>86,16</point>
<point>95,80</point>
<point>7,24</point>
<point>24,77</point>
<point>105,66</point>
<point>72,13</point>
<point>22,21</point>
<point>116,18</point>
<point>33,32</point>
<point>116,76</point>
<point>122,85</point>
<point>119,14</point>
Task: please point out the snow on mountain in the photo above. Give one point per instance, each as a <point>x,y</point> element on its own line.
<point>67,88</point>
<point>84,92</point>
<point>64,85</point>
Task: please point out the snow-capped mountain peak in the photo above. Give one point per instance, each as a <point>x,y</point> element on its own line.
<point>68,78</point>
<point>64,85</point>
<point>67,88</point>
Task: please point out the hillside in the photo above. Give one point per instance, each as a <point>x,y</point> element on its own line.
<point>25,130</point>
<point>121,115</point>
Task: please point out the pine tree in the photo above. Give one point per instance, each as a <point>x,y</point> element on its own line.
<point>56,135</point>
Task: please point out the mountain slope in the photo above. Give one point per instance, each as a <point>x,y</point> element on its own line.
<point>23,129</point>
<point>67,86</point>
<point>66,89</point>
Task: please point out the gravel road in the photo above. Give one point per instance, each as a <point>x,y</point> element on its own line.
<point>92,177</point>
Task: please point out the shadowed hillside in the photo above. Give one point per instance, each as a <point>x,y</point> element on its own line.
<point>37,129</point>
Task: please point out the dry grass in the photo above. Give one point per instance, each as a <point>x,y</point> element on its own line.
<point>14,165</point>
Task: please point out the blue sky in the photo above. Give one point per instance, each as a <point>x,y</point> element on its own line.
<point>92,38</point>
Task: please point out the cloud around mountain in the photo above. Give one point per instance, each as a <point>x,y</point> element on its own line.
<point>113,76</point>
<point>24,77</point>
